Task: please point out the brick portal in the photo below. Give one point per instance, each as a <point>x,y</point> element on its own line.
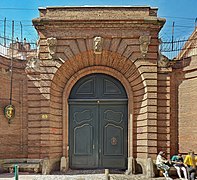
<point>77,41</point>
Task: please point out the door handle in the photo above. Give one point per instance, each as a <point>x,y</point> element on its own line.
<point>93,146</point>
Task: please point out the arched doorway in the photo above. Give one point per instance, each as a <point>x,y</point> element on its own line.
<point>98,123</point>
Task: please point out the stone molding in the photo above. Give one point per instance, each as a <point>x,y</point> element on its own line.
<point>107,17</point>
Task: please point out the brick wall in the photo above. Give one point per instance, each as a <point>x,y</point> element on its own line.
<point>187,106</point>
<point>13,136</point>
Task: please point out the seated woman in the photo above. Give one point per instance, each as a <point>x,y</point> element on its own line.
<point>177,160</point>
<point>163,164</point>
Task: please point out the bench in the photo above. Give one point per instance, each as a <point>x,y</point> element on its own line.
<point>172,172</point>
<point>29,165</point>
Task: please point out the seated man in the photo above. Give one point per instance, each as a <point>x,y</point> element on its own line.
<point>163,164</point>
<point>190,163</point>
<point>178,164</point>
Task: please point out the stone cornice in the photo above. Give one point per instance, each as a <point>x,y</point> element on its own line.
<point>97,12</point>
<point>103,17</point>
<point>157,23</point>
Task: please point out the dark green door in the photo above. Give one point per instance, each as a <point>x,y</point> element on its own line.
<point>98,123</point>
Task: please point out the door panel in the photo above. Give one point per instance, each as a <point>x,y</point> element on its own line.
<point>83,140</point>
<point>98,86</point>
<point>83,118</point>
<point>113,118</point>
<point>113,140</point>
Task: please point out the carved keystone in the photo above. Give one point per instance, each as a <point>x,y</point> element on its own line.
<point>98,45</point>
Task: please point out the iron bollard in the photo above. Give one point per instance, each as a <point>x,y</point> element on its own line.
<point>16,172</point>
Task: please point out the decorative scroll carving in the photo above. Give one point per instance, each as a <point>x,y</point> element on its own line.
<point>98,45</point>
<point>163,61</point>
<point>52,46</point>
<point>113,116</point>
<point>144,43</point>
<point>33,63</point>
<point>83,116</point>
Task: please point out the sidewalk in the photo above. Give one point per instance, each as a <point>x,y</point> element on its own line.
<point>27,176</point>
<point>10,176</point>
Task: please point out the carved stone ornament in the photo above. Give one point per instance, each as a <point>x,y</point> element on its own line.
<point>163,61</point>
<point>52,46</point>
<point>144,43</point>
<point>33,63</point>
<point>98,45</point>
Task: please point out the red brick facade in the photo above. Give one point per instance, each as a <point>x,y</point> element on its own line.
<point>13,136</point>
<point>185,110</point>
<point>129,53</point>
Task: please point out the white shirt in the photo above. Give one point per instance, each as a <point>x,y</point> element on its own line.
<point>160,159</point>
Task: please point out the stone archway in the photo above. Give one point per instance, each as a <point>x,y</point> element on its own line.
<point>110,63</point>
<point>71,83</point>
<point>67,72</point>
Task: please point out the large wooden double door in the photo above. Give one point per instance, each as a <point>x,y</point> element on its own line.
<point>98,123</point>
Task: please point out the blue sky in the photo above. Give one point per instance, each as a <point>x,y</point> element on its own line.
<point>182,12</point>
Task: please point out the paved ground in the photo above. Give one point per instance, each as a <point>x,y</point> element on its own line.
<point>26,176</point>
<point>98,174</point>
